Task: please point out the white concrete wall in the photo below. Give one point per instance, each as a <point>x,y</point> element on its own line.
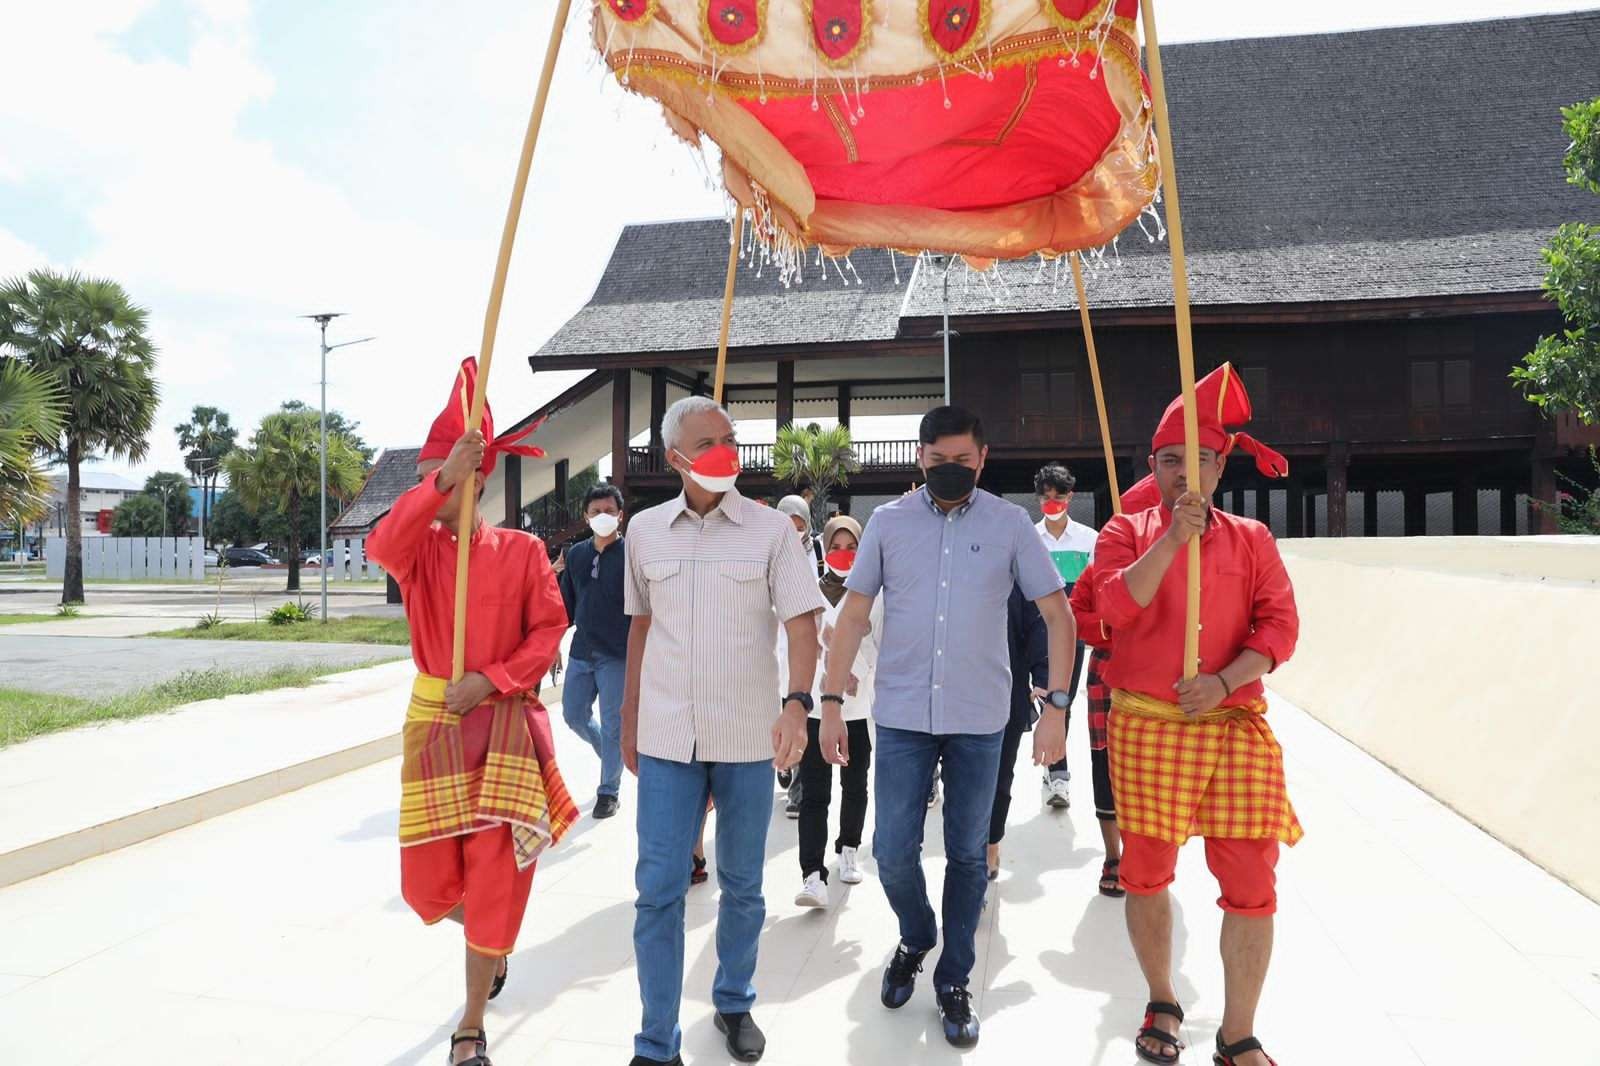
<point>172,558</point>
<point>1472,666</point>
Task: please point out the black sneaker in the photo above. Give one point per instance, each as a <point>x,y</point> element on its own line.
<point>900,976</point>
<point>785,778</point>
<point>792,810</point>
<point>605,806</point>
<point>955,1011</point>
<point>745,1039</point>
<point>640,1060</point>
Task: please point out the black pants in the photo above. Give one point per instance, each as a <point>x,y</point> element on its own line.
<point>1072,693</point>
<point>816,791</point>
<point>1105,805</point>
<point>1010,745</point>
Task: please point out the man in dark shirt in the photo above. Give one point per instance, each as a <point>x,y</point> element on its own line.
<point>592,584</point>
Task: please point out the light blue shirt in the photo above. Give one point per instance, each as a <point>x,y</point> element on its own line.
<point>943,662</point>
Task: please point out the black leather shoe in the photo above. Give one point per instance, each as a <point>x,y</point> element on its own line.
<point>605,807</point>
<point>745,1039</point>
<point>900,977</point>
<point>640,1060</point>
<point>955,1011</point>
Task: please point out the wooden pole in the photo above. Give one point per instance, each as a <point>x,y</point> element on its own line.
<point>491,323</point>
<point>1180,306</point>
<point>1099,392</point>
<point>727,300</point>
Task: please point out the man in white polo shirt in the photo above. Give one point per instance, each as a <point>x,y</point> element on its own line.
<point>1071,547</point>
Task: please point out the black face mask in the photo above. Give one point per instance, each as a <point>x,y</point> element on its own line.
<point>951,481</point>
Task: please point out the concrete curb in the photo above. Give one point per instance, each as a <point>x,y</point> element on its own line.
<point>57,852</point>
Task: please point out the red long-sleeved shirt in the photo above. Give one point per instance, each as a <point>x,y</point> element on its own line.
<point>515,617</point>
<point>1091,629</point>
<point>1246,601</point>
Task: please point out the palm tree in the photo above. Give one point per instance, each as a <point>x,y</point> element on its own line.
<point>87,336</point>
<point>821,459</point>
<point>206,439</point>
<point>30,418</point>
<point>280,466</point>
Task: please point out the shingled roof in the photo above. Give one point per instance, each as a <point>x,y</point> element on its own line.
<point>1373,165</point>
<point>394,473</point>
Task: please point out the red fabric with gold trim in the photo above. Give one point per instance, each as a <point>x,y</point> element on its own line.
<point>733,24</point>
<point>952,26</point>
<point>839,27</point>
<point>634,11</point>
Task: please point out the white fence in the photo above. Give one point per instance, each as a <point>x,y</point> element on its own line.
<point>168,558</point>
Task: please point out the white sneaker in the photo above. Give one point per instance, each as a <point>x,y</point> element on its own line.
<point>850,867</point>
<point>814,893</point>
<point>1055,794</point>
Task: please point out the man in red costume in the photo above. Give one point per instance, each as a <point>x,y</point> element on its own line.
<point>1196,757</point>
<point>481,795</point>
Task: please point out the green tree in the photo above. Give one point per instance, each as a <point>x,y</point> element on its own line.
<point>281,464</point>
<point>171,491</point>
<point>88,336</point>
<point>30,419</point>
<point>815,458</point>
<point>139,516</point>
<point>231,523</point>
<point>206,439</point>
<point>337,423</point>
<point>1562,373</point>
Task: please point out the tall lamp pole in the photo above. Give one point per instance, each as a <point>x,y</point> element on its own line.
<point>322,320</point>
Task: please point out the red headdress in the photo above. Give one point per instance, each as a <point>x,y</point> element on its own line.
<point>452,423</point>
<point>1221,401</point>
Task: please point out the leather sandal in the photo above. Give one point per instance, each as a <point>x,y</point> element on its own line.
<point>500,978</point>
<point>1110,884</point>
<point>1226,1053</point>
<point>1148,1031</point>
<point>478,1037</point>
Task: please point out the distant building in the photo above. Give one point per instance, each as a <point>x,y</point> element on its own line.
<point>99,494</point>
<point>393,473</point>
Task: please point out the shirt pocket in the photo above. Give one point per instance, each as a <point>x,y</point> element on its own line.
<point>984,573</point>
<point>744,583</point>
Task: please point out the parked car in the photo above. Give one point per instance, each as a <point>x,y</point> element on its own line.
<point>314,558</point>
<point>247,557</point>
<point>211,557</point>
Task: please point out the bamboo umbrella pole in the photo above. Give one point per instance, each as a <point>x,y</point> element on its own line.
<point>727,299</point>
<point>491,323</point>
<point>1099,391</point>
<point>1180,306</point>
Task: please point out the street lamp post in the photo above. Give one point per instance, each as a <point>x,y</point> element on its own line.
<point>322,320</point>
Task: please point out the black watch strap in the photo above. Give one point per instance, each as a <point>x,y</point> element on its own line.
<point>802,698</point>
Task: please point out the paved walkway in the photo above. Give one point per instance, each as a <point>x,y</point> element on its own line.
<point>104,666</point>
<point>275,935</point>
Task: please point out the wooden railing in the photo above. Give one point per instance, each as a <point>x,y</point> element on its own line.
<point>875,455</point>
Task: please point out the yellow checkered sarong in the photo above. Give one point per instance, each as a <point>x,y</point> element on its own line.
<point>1216,775</point>
<point>440,796</point>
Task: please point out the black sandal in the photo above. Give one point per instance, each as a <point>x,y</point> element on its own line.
<point>699,876</point>
<point>470,1036</point>
<point>1148,1031</point>
<point>500,978</point>
<point>1226,1053</point>
<point>1108,872</point>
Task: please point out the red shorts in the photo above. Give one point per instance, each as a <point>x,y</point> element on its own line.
<point>1243,869</point>
<point>477,872</point>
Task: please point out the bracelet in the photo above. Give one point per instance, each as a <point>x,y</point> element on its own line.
<point>1227,689</point>
<point>828,697</point>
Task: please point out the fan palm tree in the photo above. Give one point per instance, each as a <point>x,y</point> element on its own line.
<point>30,418</point>
<point>206,440</point>
<point>88,337</point>
<point>280,466</point>
<point>822,459</point>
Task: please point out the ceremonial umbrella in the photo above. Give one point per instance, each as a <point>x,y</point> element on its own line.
<point>988,129</point>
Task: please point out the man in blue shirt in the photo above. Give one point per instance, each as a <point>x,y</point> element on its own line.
<point>592,585</point>
<point>945,559</point>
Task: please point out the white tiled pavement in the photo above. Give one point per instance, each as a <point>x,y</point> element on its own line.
<point>276,935</point>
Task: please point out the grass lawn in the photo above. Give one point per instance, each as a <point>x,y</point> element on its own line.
<point>22,619</point>
<point>355,630</point>
<point>25,715</point>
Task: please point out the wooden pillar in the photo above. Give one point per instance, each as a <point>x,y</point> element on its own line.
<point>621,407</point>
<point>1311,514</point>
<point>1339,490</point>
<point>1464,507</point>
<point>658,406</point>
<point>1416,511</point>
<point>1296,509</point>
<point>1369,513</point>
<point>1540,519</point>
<point>563,472</point>
<point>1238,502</point>
<point>1508,510</point>
<point>513,493</point>
<point>785,411</point>
<point>844,405</point>
<point>1264,507</point>
<point>1102,506</point>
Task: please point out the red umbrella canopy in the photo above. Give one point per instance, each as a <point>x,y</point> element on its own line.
<point>985,128</point>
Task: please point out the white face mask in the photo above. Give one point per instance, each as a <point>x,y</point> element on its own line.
<point>604,524</point>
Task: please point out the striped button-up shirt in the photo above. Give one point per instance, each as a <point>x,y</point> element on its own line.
<point>716,589</point>
<point>944,664</point>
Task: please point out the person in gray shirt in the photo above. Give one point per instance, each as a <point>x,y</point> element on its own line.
<point>945,558</point>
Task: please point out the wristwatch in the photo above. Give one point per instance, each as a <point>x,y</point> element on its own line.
<point>1060,700</point>
<point>802,698</point>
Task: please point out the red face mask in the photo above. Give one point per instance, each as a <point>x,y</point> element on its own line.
<point>1053,508</point>
<point>841,561</point>
<point>716,469</point>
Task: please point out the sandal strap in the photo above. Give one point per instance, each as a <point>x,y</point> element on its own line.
<point>1150,1032</point>
<point>1111,864</point>
<point>1169,1009</point>
<point>1242,1047</point>
<point>473,1036</point>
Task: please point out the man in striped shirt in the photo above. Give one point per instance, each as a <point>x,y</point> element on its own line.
<point>710,578</point>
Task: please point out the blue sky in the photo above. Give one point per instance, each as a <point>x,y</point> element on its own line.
<point>236,164</point>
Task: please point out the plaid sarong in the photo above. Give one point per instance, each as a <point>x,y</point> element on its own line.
<point>1098,694</point>
<point>1217,775</point>
<point>455,780</point>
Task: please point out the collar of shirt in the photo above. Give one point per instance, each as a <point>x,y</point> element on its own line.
<point>962,508</point>
<point>1066,531</point>
<point>731,505</point>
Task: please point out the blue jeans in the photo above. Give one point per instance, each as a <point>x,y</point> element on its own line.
<point>905,763</point>
<point>672,806</point>
<point>586,678</point>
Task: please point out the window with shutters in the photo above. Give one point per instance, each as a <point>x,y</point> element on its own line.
<point>1458,383</point>
<point>1425,386</point>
